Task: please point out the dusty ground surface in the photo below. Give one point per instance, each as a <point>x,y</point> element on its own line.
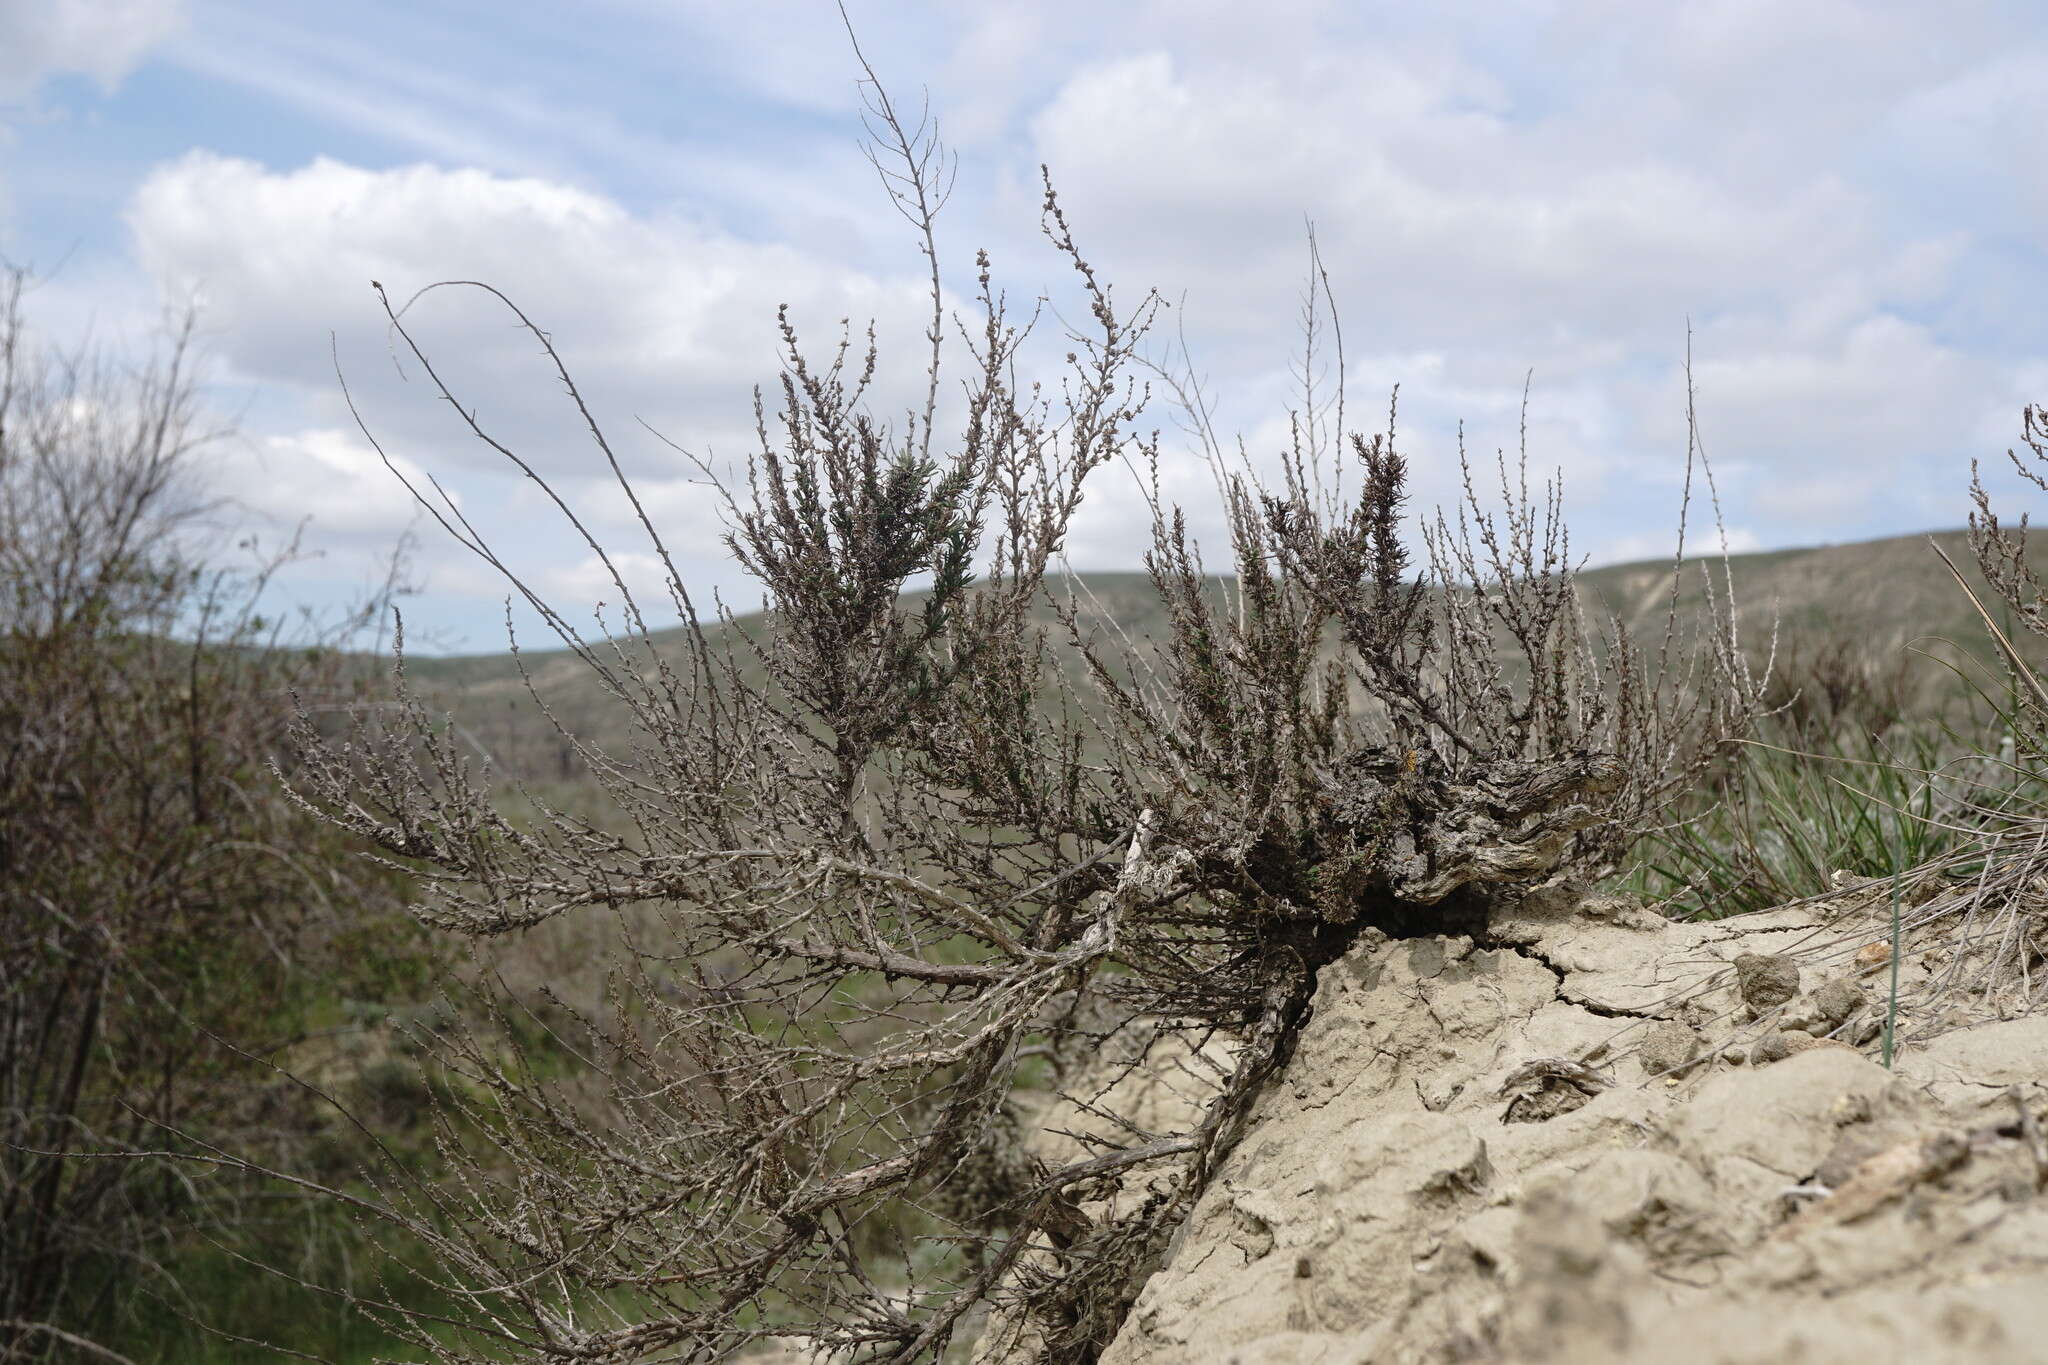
<point>1599,1136</point>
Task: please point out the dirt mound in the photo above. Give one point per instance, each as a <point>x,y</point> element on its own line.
<point>1597,1136</point>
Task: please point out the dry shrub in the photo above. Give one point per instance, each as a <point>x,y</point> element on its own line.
<point>884,862</point>
<point>156,890</point>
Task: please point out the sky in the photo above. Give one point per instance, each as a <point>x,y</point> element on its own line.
<point>1840,205</point>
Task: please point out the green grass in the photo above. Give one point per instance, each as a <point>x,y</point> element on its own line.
<point>1794,807</point>
<point>220,1294</point>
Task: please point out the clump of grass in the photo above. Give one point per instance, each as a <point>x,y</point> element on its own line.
<point>1800,808</point>
<point>1942,814</point>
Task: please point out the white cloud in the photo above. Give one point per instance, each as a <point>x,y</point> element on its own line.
<point>657,318</point>
<point>1817,436</point>
<point>399,87</point>
<point>1702,540</point>
<point>1834,199</point>
<point>589,583</point>
<point>1455,225</point>
<point>331,477</point>
<point>102,39</point>
<point>1473,212</point>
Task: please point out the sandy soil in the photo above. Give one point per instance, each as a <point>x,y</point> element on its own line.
<point>1599,1136</point>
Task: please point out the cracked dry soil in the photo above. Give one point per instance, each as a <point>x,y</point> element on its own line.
<point>1597,1136</point>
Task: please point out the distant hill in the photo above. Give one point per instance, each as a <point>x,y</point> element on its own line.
<point>1883,593</point>
<point>1878,596</point>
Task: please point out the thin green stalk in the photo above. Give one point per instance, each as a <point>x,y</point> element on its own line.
<point>1891,1013</point>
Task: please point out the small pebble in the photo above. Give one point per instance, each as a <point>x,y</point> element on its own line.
<point>1667,1046</point>
<point>1838,999</point>
<point>1824,1009</point>
<point>1777,1047</point>
<point>1766,980</point>
<point>1790,1043</point>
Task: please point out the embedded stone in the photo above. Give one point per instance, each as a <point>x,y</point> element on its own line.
<point>1766,980</point>
<point>1668,1046</point>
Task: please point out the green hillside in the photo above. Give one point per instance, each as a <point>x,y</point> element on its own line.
<point>1876,598</point>
<point>1885,594</point>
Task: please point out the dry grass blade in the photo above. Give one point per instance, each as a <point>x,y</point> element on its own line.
<point>2013,658</point>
